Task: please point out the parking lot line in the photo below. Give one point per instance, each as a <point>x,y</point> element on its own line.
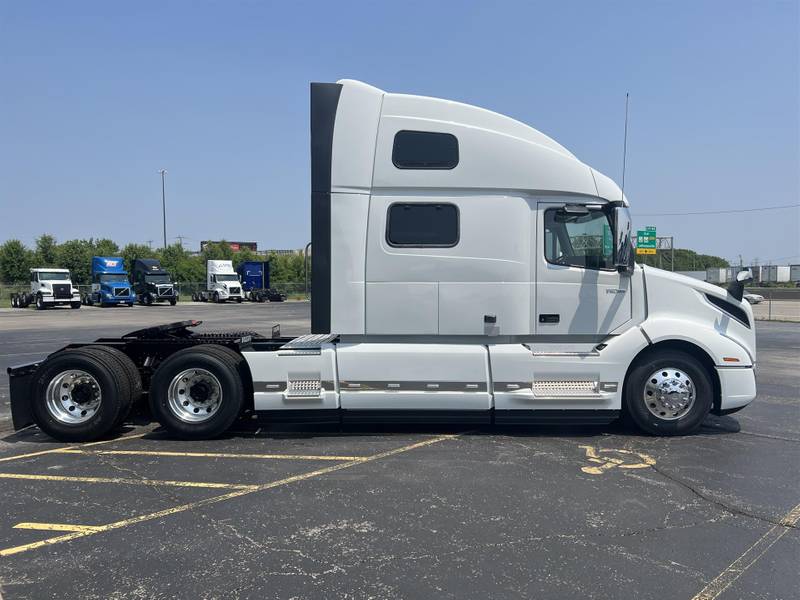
<point>207,454</point>
<point>738,567</point>
<point>120,480</point>
<point>54,450</point>
<point>221,498</point>
<point>55,527</point>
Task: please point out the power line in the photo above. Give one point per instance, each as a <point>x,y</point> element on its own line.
<point>716,212</point>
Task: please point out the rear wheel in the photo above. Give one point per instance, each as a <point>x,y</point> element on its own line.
<point>198,392</point>
<point>79,394</point>
<point>668,393</point>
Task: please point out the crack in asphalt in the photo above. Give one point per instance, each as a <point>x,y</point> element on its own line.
<point>733,510</point>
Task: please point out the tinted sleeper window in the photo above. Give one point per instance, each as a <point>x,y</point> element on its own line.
<point>424,150</point>
<point>422,225</point>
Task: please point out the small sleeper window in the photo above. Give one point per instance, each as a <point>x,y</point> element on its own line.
<point>421,225</point>
<point>424,150</point>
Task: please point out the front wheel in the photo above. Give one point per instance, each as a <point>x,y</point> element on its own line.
<point>173,302</point>
<point>40,303</point>
<point>198,393</point>
<point>668,393</point>
<point>75,305</point>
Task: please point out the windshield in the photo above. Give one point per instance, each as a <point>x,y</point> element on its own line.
<point>225,277</point>
<point>157,278</point>
<point>53,276</point>
<point>113,278</point>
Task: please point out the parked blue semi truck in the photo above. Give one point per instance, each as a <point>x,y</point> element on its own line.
<point>254,276</point>
<point>110,285</point>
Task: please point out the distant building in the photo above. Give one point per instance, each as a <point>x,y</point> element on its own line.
<point>235,246</point>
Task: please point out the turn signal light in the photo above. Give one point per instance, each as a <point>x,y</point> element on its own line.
<point>729,359</point>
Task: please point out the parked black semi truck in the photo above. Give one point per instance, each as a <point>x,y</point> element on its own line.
<point>151,283</point>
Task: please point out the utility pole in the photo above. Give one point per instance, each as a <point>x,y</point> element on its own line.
<point>164,204</point>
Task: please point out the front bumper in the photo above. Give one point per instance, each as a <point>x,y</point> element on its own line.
<point>737,387</point>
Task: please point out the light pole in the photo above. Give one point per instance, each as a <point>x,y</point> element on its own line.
<point>164,205</point>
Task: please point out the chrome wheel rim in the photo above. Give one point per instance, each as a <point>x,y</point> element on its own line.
<point>194,395</point>
<point>669,394</point>
<point>73,397</point>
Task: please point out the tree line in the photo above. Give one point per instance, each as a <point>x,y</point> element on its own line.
<point>685,260</point>
<point>16,259</point>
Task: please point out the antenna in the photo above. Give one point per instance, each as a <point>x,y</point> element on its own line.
<point>625,145</point>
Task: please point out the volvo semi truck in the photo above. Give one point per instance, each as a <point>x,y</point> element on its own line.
<point>222,283</point>
<point>151,283</point>
<point>49,287</point>
<point>467,268</point>
<point>110,285</point>
<point>254,276</point>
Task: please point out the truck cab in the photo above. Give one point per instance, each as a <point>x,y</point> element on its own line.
<point>222,283</point>
<point>48,287</point>
<point>254,276</point>
<point>466,268</point>
<point>151,283</point>
<point>110,285</point>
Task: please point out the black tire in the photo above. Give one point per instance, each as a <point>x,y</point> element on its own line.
<point>668,361</point>
<point>40,302</point>
<point>238,300</point>
<point>216,298</point>
<point>89,300</point>
<point>115,390</point>
<point>124,365</point>
<point>225,364</point>
<point>148,299</point>
<point>173,302</point>
<point>75,305</point>
<point>14,302</point>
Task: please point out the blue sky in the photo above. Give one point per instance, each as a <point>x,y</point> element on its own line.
<point>95,97</point>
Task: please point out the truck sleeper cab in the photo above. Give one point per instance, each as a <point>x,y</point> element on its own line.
<point>465,268</point>
<point>49,287</point>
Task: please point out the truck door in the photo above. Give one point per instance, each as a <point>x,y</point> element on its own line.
<point>579,292</point>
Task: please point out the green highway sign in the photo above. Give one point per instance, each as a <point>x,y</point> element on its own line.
<point>646,238</point>
<point>651,228</point>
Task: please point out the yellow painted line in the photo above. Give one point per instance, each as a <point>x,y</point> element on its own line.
<point>207,454</point>
<point>120,480</point>
<point>55,527</point>
<point>737,568</point>
<point>215,499</point>
<point>56,450</point>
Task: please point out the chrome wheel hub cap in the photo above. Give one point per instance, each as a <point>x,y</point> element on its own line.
<point>73,397</point>
<point>194,395</point>
<point>669,394</point>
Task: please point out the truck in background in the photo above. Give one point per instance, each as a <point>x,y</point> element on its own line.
<point>110,285</point>
<point>794,274</point>
<point>254,276</point>
<point>777,273</point>
<point>49,287</point>
<point>222,283</point>
<point>151,283</point>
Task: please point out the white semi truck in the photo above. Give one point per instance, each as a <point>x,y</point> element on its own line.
<point>49,287</point>
<point>222,283</point>
<point>467,268</point>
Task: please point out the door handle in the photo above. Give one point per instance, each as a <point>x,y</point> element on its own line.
<point>549,318</point>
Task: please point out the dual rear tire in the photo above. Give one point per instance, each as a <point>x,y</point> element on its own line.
<point>82,394</point>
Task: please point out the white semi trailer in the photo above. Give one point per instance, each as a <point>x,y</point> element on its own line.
<point>467,268</point>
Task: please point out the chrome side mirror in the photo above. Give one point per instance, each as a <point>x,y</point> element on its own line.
<point>623,245</point>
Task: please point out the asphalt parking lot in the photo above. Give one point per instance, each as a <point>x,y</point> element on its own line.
<point>540,512</point>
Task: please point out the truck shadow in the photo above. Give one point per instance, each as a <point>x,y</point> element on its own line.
<point>713,425</point>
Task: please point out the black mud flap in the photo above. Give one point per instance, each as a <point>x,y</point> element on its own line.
<point>21,383</point>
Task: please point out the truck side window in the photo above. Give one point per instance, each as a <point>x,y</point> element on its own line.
<point>422,225</point>
<point>424,150</point>
<point>578,240</point>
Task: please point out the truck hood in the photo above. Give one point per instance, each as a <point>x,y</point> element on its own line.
<point>674,296</point>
